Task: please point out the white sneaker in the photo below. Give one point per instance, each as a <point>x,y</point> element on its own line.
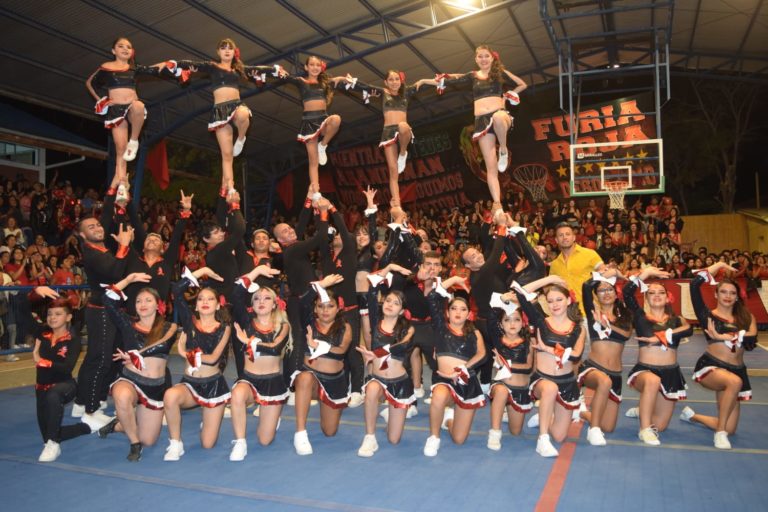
<point>238,147</point>
<point>446,417</point>
<point>292,398</point>
<point>78,410</point>
<point>494,440</point>
<point>576,415</point>
<point>122,196</point>
<point>432,446</point>
<point>322,158</point>
<point>227,411</point>
<point>301,443</point>
<point>428,400</point>
<point>544,447</point>
<point>95,420</point>
<point>256,411</point>
<point>503,161</point>
<point>174,451</point>
<point>419,392</point>
<point>239,450</point>
<point>52,450</point>
<point>130,150</point>
<point>649,436</point>
<point>505,416</point>
<point>103,405</point>
<point>385,414</point>
<point>355,400</point>
<point>595,436</point>
<point>687,414</point>
<point>401,159</point>
<point>533,421</point>
<point>412,411</point>
<point>721,440</point>
<point>369,446</point>
<point>11,358</point>
<point>632,412</point>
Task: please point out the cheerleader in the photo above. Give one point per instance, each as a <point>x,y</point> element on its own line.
<point>397,133</point>
<point>364,237</point>
<point>229,113</point>
<point>513,359</point>
<point>142,382</point>
<point>659,332</point>
<point>57,348</point>
<point>118,79</point>
<point>317,127</point>
<point>559,344</point>
<point>460,350</point>
<point>609,325</point>
<point>322,374</point>
<point>492,121</point>
<point>391,336</point>
<point>202,342</point>
<point>262,327</point>
<point>730,329</point>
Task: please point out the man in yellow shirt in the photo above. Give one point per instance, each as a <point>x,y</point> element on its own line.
<point>574,263</point>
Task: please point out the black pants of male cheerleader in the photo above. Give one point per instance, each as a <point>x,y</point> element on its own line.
<point>295,358</point>
<point>353,358</point>
<point>93,379</point>
<point>50,412</point>
<point>485,370</point>
<point>424,340</point>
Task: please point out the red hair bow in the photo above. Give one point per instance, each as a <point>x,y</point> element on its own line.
<point>237,53</point>
<point>280,303</point>
<point>402,77</point>
<point>222,300</point>
<point>495,55</point>
<point>340,302</point>
<point>670,297</point>
<point>162,307</point>
<point>572,295</point>
<point>407,314</point>
<point>323,65</point>
<point>133,53</point>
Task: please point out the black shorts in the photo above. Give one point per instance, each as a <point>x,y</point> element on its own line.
<point>398,391</point>
<point>466,396</point>
<point>519,397</point>
<point>116,114</point>
<point>150,391</point>
<point>707,363</point>
<point>567,388</point>
<point>589,366</point>
<point>333,388</point>
<point>222,113</point>
<point>210,391</point>
<point>672,385</point>
<point>267,389</point>
<point>390,134</point>
<point>484,124</point>
<point>312,122</point>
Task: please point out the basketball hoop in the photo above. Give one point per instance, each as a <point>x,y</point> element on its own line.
<point>616,191</point>
<point>534,178</point>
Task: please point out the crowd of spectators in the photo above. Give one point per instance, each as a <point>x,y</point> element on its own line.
<point>40,245</point>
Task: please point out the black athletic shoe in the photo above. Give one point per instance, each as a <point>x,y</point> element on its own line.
<point>135,454</point>
<point>107,429</point>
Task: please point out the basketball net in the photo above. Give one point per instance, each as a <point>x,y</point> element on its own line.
<point>616,191</point>
<point>534,178</point>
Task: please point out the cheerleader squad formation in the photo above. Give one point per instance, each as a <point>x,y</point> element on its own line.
<point>349,320</point>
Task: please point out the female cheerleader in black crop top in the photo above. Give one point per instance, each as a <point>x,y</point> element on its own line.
<point>559,344</point>
<point>390,347</point>
<point>317,127</point>
<point>492,121</point>
<point>609,326</point>
<point>513,360</point>
<point>394,105</point>
<point>138,390</point>
<point>459,351</point>
<point>56,350</point>
<point>322,374</point>
<point>730,329</point>
<point>659,332</point>
<point>116,98</point>
<point>228,110</point>
<point>262,326</point>
<point>202,342</point>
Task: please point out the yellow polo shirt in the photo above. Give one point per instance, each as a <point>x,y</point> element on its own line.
<point>577,269</point>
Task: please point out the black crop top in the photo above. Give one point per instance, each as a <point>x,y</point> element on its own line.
<point>722,326</point>
<point>380,337</point>
<point>307,301</point>
<point>447,342</point>
<point>482,88</point>
<point>196,338</point>
<point>548,335</point>
<point>589,306</point>
<point>308,90</point>
<point>107,79</point>
<point>247,321</point>
<point>134,337</point>
<point>390,102</point>
<point>517,354</point>
<point>221,77</point>
<point>646,327</point>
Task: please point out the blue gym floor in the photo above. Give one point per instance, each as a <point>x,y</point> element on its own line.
<point>685,473</point>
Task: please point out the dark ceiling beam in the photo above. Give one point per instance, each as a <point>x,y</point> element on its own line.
<point>749,28</point>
